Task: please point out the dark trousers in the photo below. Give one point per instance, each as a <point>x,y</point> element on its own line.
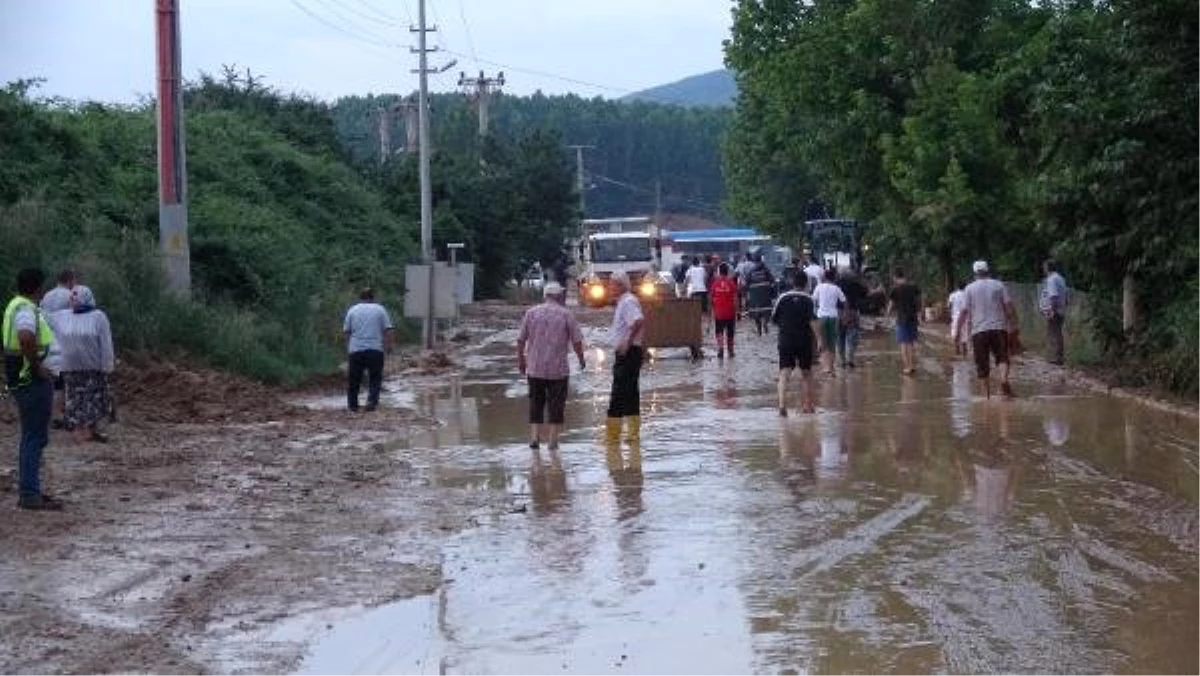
<point>626,398</point>
<point>34,402</point>
<point>370,361</point>
<point>1054,338</point>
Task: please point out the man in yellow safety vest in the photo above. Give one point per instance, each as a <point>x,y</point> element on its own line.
<point>27,339</point>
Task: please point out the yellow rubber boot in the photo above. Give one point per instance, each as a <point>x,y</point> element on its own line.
<point>633,433</point>
<point>612,431</point>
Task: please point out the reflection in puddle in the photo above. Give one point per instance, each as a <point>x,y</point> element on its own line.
<point>910,526</point>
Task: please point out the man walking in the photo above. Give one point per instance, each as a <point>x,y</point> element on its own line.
<point>368,335</point>
<point>697,283</point>
<point>724,296</point>
<point>1053,304</point>
<point>829,298</point>
<point>956,301</point>
<point>848,329</point>
<point>988,311</point>
<point>905,302</point>
<point>27,339</point>
<point>679,274</point>
<point>547,332</point>
<point>760,290</point>
<point>624,402</point>
<point>813,273</point>
<point>796,317</point>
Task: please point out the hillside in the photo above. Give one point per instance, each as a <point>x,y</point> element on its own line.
<point>634,146</point>
<point>713,89</point>
<point>283,229</point>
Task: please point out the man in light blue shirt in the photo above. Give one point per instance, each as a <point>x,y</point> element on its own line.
<point>368,335</point>
<point>1053,304</point>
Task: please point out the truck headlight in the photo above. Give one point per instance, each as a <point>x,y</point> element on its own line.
<point>596,291</point>
<point>647,290</point>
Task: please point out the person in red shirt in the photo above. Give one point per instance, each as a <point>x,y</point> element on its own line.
<point>723,295</point>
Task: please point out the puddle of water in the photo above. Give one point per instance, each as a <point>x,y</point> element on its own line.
<point>396,638</point>
<point>909,526</point>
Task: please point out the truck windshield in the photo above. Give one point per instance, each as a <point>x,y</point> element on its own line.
<point>621,250</point>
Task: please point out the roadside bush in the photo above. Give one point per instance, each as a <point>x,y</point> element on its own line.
<point>282,236</point>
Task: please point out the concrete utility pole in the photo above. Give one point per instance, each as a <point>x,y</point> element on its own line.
<point>479,91</point>
<point>172,170</point>
<point>384,117</point>
<point>579,176</point>
<point>422,50</point>
<point>411,124</point>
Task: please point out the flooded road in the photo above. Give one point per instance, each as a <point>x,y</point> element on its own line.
<point>907,526</point>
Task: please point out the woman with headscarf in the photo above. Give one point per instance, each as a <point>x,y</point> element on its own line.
<point>85,339</point>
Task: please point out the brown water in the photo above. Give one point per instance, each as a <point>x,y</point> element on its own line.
<point>907,526</point>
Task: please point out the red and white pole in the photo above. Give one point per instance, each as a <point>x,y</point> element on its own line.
<point>172,173</point>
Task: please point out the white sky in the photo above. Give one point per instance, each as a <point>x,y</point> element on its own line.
<point>104,49</point>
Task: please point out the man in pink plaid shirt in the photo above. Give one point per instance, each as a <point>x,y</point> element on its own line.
<point>547,332</point>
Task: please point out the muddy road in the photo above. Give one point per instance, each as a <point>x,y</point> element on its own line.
<point>907,526</point>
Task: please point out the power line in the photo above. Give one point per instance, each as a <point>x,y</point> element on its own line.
<point>348,33</point>
<point>352,8</point>
<point>649,191</point>
<point>349,22</point>
<point>462,14</point>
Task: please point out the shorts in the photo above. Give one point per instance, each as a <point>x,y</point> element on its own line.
<point>906,332</point>
<point>703,296</point>
<point>796,355</point>
<point>829,333</point>
<point>725,326</point>
<point>989,343</point>
<point>547,401</point>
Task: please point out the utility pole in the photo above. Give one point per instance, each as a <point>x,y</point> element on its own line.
<point>422,50</point>
<point>385,133</point>
<point>579,176</point>
<point>658,203</point>
<point>172,171</point>
<point>411,123</point>
<point>479,91</point>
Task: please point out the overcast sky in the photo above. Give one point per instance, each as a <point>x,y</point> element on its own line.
<point>104,49</point>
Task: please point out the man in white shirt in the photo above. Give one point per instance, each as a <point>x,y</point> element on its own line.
<point>957,301</point>
<point>624,402</point>
<point>369,332</point>
<point>828,297</point>
<point>1053,305</point>
<point>814,272</point>
<point>697,284</point>
<point>988,311</point>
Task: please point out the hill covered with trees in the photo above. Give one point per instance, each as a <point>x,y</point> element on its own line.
<point>635,146</point>
<point>716,88</point>
<point>1002,130</point>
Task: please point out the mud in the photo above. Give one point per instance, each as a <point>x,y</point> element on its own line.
<point>908,526</point>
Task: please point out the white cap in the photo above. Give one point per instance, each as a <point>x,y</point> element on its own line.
<point>552,289</point>
<point>980,266</point>
<point>621,279</point>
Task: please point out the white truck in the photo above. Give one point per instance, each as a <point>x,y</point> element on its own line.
<point>630,244</point>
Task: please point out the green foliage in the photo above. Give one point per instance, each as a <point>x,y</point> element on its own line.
<point>635,143</point>
<point>1000,129</point>
<point>282,230</point>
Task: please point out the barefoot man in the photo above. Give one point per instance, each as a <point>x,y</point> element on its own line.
<point>796,316</point>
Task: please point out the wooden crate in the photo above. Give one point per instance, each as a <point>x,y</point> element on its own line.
<point>673,322</point>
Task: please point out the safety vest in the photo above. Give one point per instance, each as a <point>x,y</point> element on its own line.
<point>12,342</point>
